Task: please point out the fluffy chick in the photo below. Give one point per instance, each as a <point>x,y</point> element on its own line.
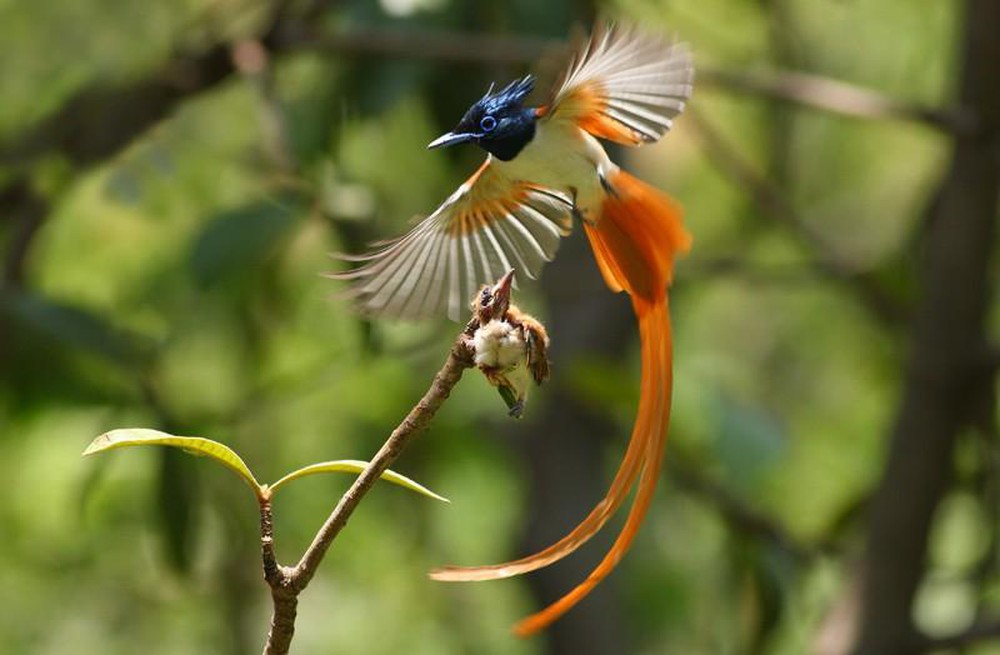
<point>510,346</point>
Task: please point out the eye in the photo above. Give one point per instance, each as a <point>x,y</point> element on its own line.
<point>485,297</point>
<point>488,123</point>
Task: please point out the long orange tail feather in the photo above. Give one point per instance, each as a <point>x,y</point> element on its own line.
<point>635,241</point>
<point>622,483</point>
<point>654,325</point>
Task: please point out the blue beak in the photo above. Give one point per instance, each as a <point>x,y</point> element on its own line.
<point>450,139</point>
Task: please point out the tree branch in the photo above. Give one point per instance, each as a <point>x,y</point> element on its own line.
<point>284,599</point>
<point>945,369</point>
<point>459,359</point>
<point>273,573</point>
<point>287,583</point>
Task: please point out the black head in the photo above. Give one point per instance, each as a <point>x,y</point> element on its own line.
<point>498,123</point>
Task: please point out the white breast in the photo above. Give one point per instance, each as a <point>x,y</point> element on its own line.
<point>562,156</point>
<point>500,345</point>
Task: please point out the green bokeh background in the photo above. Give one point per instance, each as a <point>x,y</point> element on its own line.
<point>176,285</point>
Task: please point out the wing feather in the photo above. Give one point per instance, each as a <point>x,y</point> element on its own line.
<point>625,86</point>
<point>512,242</point>
<point>453,292</point>
<point>484,258</point>
<point>534,247</point>
<point>474,237</point>
<point>498,252</point>
<point>430,280</point>
<point>468,266</point>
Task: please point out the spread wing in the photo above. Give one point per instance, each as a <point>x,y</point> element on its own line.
<point>625,86</point>
<point>488,226</point>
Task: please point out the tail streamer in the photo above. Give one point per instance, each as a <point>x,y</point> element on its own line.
<point>635,241</point>
<point>654,325</point>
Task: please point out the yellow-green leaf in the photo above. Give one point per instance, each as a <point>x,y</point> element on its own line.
<point>193,445</point>
<point>356,466</point>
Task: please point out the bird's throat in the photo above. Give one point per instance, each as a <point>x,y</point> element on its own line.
<point>507,145</point>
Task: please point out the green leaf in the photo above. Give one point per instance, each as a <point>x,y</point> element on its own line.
<point>193,445</point>
<point>356,466</point>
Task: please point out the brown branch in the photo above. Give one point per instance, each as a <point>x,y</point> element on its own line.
<point>284,599</point>
<point>25,210</point>
<point>273,573</point>
<point>286,583</point>
<point>459,359</point>
<point>285,604</point>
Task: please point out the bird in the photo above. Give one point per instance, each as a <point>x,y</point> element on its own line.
<point>546,167</point>
<point>510,347</point>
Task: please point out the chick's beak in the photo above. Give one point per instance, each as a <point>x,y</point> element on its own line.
<point>450,139</point>
<point>501,292</point>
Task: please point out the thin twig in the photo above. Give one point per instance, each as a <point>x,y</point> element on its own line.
<point>272,570</point>
<point>284,599</point>
<point>459,359</point>
<point>286,583</point>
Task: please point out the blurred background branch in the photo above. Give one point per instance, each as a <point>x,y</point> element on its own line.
<point>945,374</point>
<point>84,131</point>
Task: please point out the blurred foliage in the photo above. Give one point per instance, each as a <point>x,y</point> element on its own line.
<point>176,285</point>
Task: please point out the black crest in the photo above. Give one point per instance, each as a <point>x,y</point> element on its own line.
<point>499,122</point>
<point>512,94</point>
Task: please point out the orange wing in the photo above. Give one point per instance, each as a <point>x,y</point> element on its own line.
<point>625,86</point>
<point>488,226</point>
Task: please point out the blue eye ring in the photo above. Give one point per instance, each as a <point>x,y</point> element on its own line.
<point>488,124</point>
